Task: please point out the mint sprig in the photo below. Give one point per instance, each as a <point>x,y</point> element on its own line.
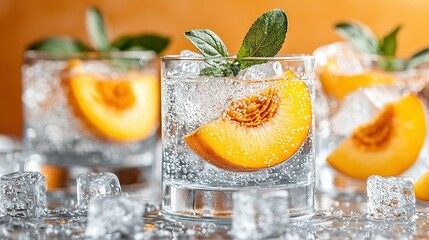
<point>152,42</point>
<point>364,39</point>
<point>387,45</point>
<point>264,39</point>
<point>207,42</point>
<point>98,37</point>
<point>67,45</point>
<point>96,30</point>
<point>359,35</point>
<point>418,58</point>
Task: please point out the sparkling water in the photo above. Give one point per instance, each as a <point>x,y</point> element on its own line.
<point>58,134</point>
<point>195,187</point>
<point>23,194</point>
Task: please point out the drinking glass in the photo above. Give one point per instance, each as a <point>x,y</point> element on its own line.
<point>225,134</point>
<point>91,112</point>
<point>371,118</point>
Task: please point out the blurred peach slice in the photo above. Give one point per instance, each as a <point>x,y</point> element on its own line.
<point>387,145</point>
<point>124,109</point>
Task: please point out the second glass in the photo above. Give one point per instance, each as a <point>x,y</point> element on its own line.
<point>225,134</point>
<point>91,111</point>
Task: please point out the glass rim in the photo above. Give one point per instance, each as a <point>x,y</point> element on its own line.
<point>371,56</point>
<point>36,54</point>
<point>283,57</point>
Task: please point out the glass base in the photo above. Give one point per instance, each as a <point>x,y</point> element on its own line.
<point>216,204</point>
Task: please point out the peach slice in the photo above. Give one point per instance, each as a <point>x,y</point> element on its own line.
<point>117,109</point>
<point>387,145</point>
<point>421,187</point>
<point>341,85</point>
<point>258,131</point>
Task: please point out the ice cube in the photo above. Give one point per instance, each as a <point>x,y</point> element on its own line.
<point>380,95</point>
<point>259,213</point>
<point>390,197</point>
<point>187,67</point>
<point>261,71</point>
<point>355,110</point>
<point>114,216</point>
<point>341,58</point>
<point>23,194</point>
<point>362,105</point>
<point>90,185</point>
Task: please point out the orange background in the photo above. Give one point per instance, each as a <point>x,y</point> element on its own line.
<point>310,25</point>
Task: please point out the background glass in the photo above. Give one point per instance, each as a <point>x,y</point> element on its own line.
<point>353,90</point>
<point>88,112</point>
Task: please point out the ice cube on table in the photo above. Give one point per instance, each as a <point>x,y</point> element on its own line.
<point>114,216</point>
<point>90,185</point>
<point>390,198</point>
<point>261,71</point>
<point>23,194</point>
<point>259,213</point>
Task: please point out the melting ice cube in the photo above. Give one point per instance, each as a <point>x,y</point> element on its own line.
<point>261,71</point>
<point>390,197</point>
<point>90,185</point>
<point>186,67</point>
<point>23,194</point>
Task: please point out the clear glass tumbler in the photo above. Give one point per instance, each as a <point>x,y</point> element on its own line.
<point>371,118</point>
<point>224,134</point>
<point>91,112</point>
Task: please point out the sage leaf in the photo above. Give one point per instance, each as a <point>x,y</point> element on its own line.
<point>359,35</point>
<point>96,29</point>
<point>59,45</point>
<point>152,42</point>
<point>418,58</point>
<point>264,38</point>
<point>207,42</point>
<point>387,45</point>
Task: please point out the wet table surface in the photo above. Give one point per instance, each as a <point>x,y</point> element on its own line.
<point>335,218</point>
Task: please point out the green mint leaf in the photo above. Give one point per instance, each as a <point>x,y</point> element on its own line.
<point>265,37</point>
<point>59,45</point>
<point>217,71</point>
<point>96,29</point>
<point>152,42</point>
<point>359,35</point>
<point>391,64</point>
<point>214,51</point>
<point>418,58</point>
<point>207,42</point>
<point>387,45</point>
